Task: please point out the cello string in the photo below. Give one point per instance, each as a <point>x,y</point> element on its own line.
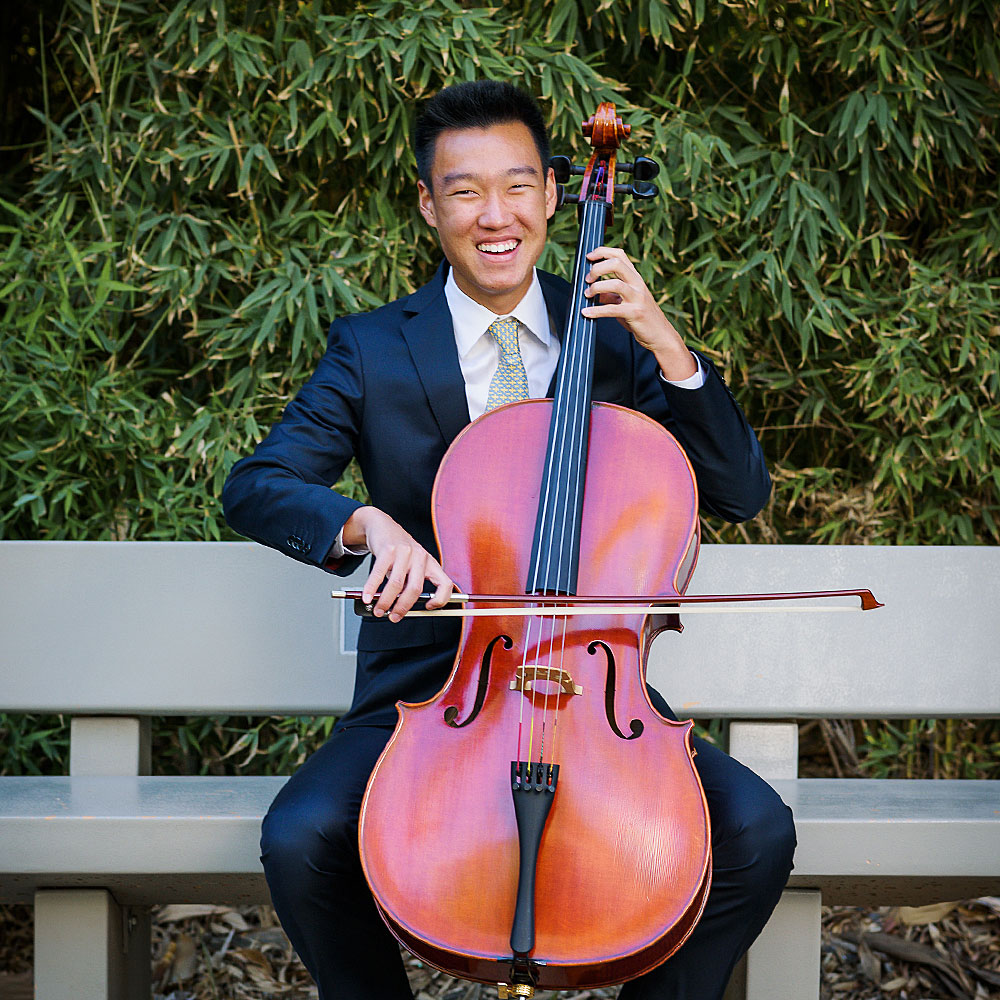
<point>584,350</point>
<point>574,407</point>
<point>555,715</point>
<point>550,483</point>
<point>564,456</point>
<point>577,418</point>
<point>570,451</point>
<point>552,473</point>
<point>554,468</point>
<point>561,461</point>
<point>570,446</point>
<point>567,458</point>
<point>583,411</point>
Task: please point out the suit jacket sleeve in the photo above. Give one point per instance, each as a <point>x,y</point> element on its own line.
<point>281,495</point>
<point>728,461</point>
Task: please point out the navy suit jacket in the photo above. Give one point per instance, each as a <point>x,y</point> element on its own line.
<point>389,390</point>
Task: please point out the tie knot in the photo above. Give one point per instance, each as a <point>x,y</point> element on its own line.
<point>504,332</point>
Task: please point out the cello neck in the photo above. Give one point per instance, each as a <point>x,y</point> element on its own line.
<point>555,555</point>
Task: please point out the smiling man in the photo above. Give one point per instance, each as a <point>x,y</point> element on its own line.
<point>394,388</point>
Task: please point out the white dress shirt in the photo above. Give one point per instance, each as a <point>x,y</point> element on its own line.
<point>479,355</point>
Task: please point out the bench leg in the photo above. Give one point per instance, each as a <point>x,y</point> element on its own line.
<point>87,947</point>
<point>783,963</point>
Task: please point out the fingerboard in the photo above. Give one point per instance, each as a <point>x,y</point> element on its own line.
<point>555,556</point>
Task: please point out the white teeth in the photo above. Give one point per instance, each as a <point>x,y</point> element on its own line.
<point>497,247</point>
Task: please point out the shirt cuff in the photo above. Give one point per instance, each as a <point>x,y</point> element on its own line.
<point>695,381</point>
<point>338,550</point>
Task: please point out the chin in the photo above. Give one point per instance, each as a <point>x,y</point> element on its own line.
<point>505,285</point>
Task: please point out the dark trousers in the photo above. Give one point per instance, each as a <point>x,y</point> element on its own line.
<point>310,856</point>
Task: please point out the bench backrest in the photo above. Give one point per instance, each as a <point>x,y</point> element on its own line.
<point>187,628</point>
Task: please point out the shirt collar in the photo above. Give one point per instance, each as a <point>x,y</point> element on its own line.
<point>471,320</point>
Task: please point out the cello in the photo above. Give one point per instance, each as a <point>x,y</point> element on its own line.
<point>508,832</point>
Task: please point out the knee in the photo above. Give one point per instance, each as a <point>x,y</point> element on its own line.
<point>300,839</point>
<point>760,842</point>
<point>774,838</point>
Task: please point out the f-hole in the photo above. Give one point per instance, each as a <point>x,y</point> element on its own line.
<point>635,726</point>
<point>451,712</point>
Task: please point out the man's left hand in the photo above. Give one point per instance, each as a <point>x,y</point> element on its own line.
<point>633,305</point>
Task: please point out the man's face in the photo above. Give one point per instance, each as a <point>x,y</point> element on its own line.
<point>491,202</point>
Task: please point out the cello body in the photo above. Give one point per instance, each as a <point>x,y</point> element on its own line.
<point>623,866</point>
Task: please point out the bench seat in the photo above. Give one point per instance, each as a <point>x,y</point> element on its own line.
<point>117,633</point>
<point>149,839</point>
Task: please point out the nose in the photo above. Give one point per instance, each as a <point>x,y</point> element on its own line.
<point>495,213</point>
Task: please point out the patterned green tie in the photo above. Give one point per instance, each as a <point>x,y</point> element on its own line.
<point>510,382</point>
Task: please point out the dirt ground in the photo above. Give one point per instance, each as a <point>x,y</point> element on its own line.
<point>949,950</point>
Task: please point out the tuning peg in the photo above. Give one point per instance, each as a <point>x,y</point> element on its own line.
<point>644,169</point>
<point>562,168</point>
<point>562,198</point>
<point>638,189</point>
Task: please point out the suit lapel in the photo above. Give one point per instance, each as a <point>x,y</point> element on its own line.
<point>430,337</point>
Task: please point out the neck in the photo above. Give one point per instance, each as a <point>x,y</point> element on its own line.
<point>556,546</point>
<point>501,304</point>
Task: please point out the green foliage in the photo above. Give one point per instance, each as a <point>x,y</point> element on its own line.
<point>236,744</point>
<point>915,748</point>
<point>212,183</point>
<point>191,190</point>
<point>912,748</point>
<point>34,744</point>
<point>39,744</point>
<point>930,748</point>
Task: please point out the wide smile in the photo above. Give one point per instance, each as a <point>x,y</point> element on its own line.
<point>499,249</point>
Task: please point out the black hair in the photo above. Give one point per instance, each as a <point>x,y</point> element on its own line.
<point>476,104</point>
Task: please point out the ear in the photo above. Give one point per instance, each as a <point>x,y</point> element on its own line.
<point>426,202</point>
<point>551,195</point>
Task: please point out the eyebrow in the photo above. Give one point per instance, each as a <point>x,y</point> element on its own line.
<point>512,172</point>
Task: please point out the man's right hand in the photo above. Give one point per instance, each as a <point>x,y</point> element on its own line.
<point>401,564</point>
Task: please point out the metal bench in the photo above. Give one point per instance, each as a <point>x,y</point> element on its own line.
<point>113,633</point>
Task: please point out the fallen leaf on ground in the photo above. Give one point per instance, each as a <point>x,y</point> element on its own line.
<point>185,911</point>
<point>913,916</point>
<point>185,959</point>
